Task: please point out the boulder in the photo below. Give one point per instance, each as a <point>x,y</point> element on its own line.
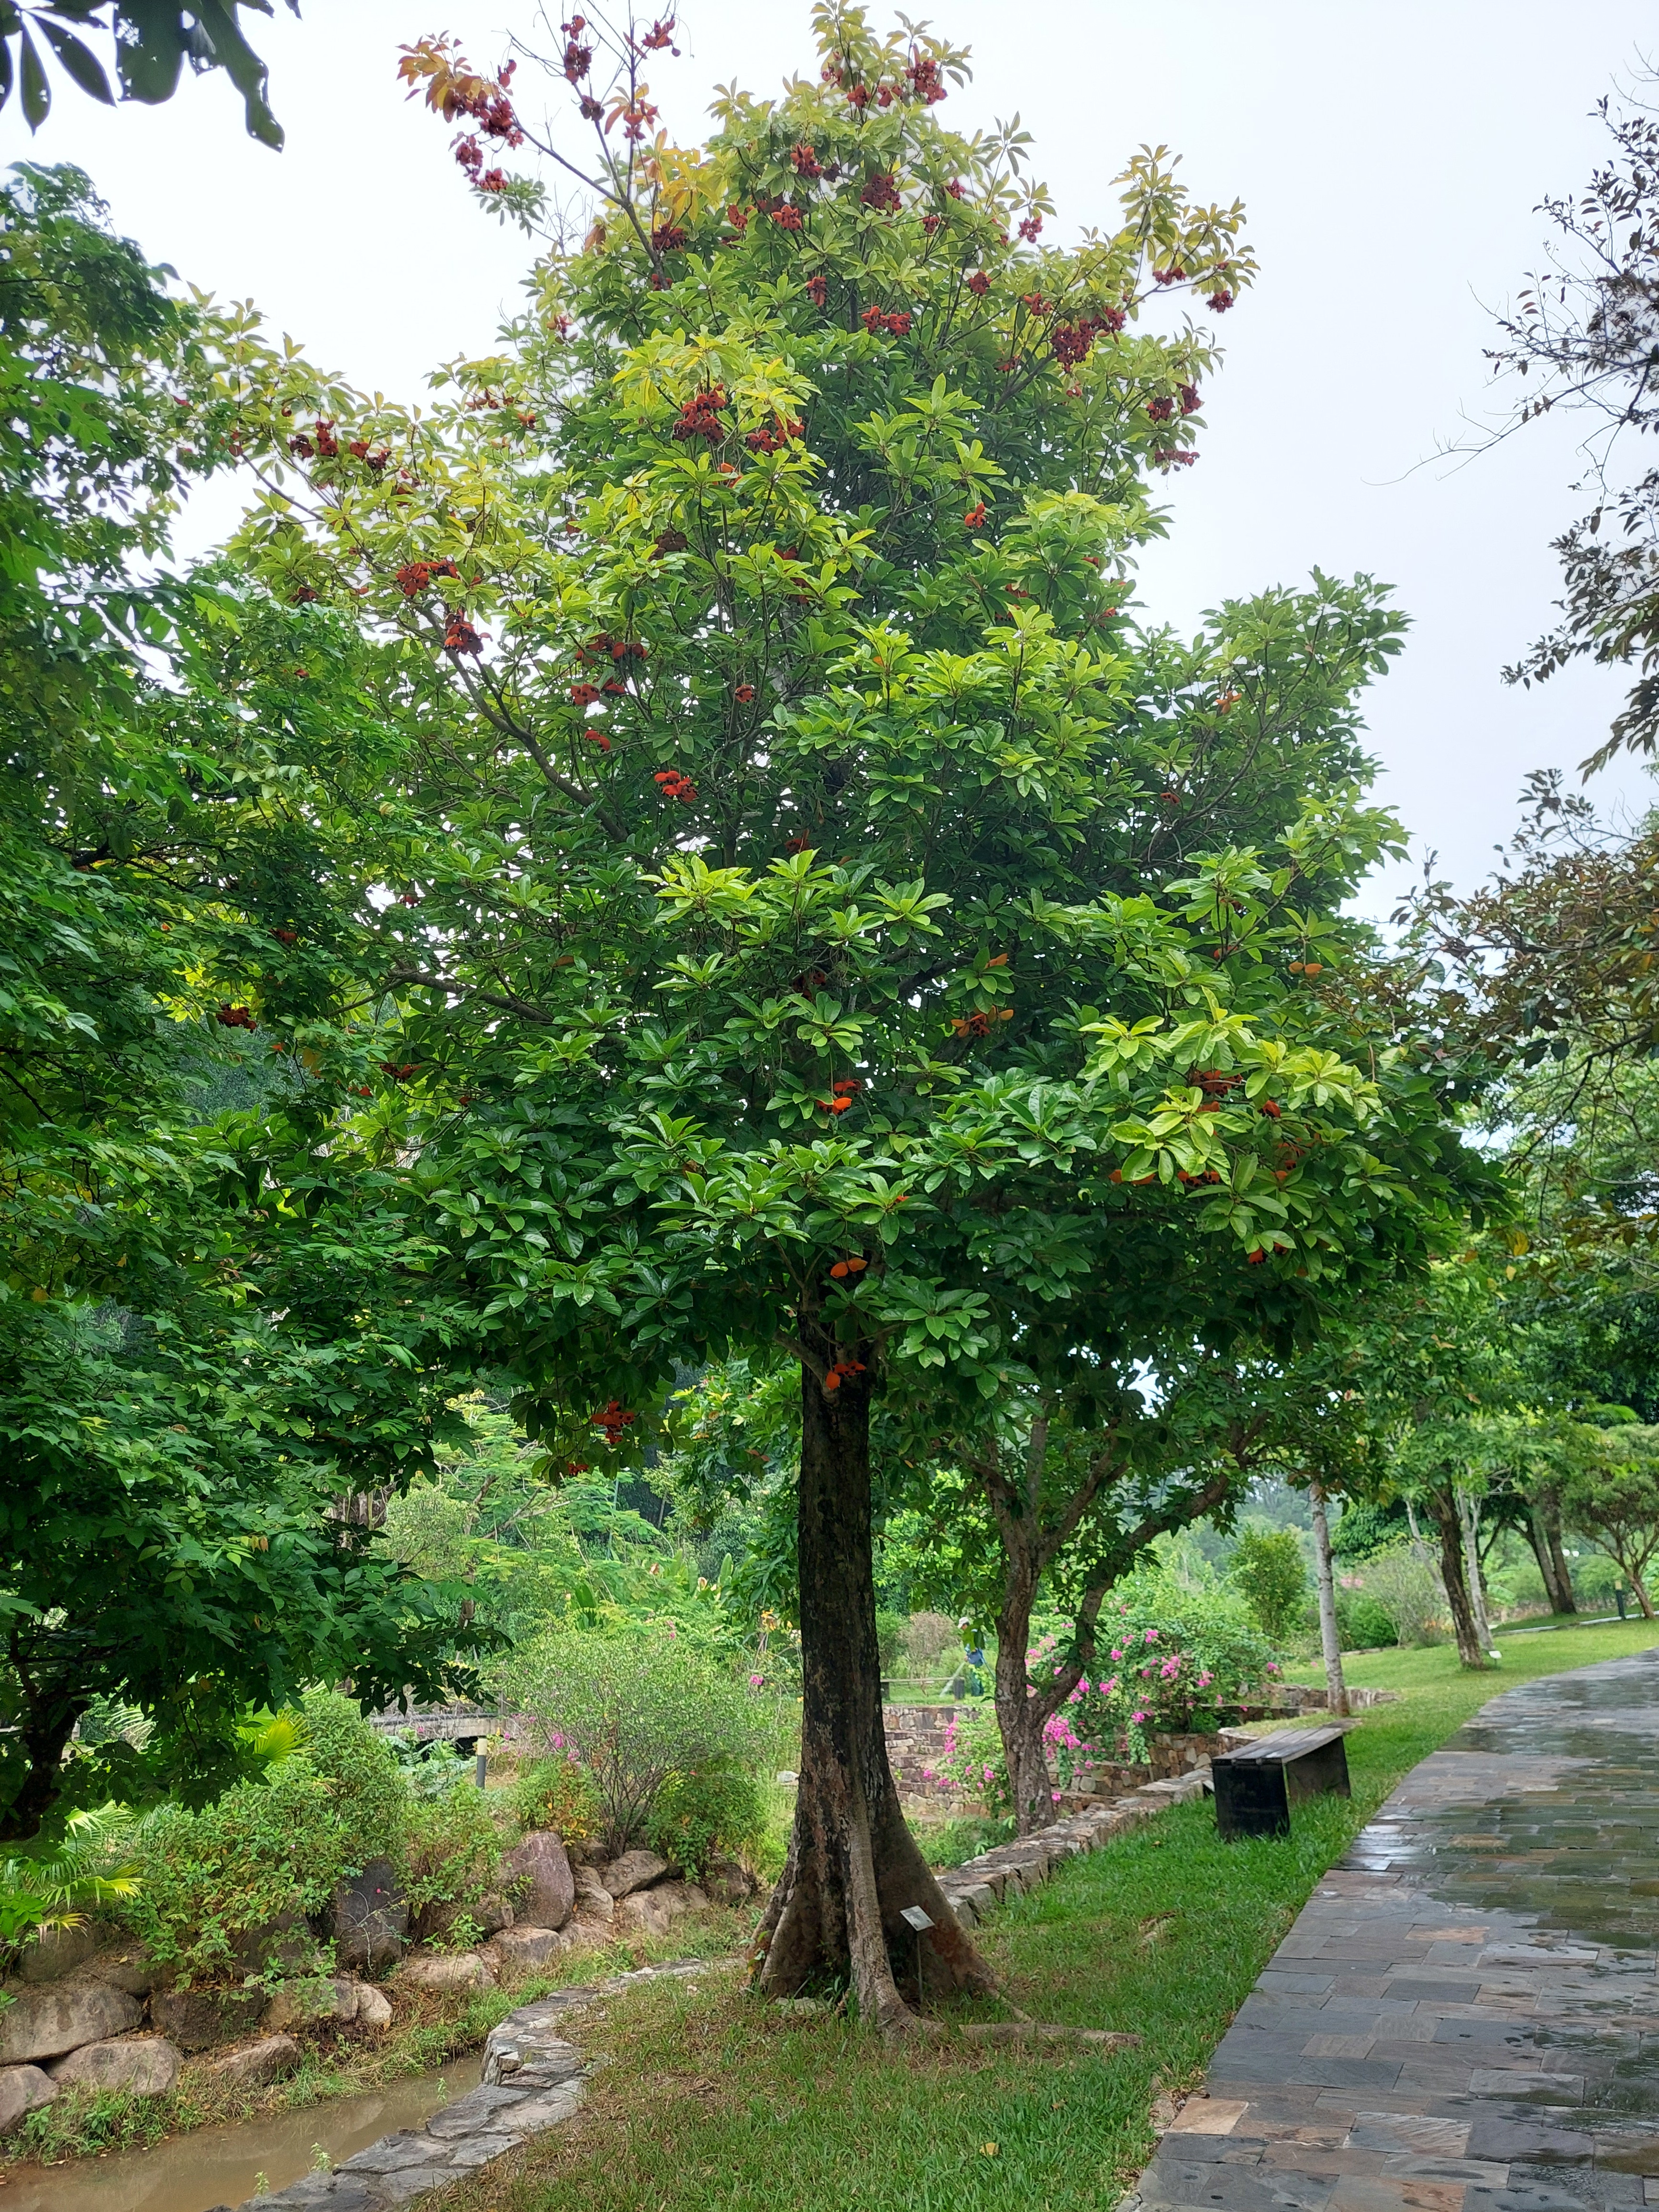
<point>44,2023</point>
<point>143,2065</point>
<point>126,1967</point>
<point>728,1881</point>
<point>435,1970</point>
<point>370,1918</point>
<point>521,1950</point>
<point>593,1901</point>
<point>201,2020</point>
<point>60,1950</point>
<point>285,1941</point>
<point>682,1897</point>
<point>296,2002</point>
<point>488,1915</point>
<point>21,2089</point>
<point>642,1913</point>
<point>374,2006</point>
<point>540,1874</point>
<point>255,2063</point>
<point>633,1870</point>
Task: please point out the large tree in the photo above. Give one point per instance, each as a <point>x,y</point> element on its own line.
<point>841,928</point>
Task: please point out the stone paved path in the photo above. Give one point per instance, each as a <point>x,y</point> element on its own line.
<point>1466,2016</point>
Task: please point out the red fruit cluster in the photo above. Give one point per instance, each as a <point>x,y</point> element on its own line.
<point>399,1071</point>
<point>931,225</point>
<point>409,898</point>
<point>1271,1109</point>
<point>606,648</point>
<point>470,154</point>
<point>738,219</point>
<point>460,637</point>
<point>843,1268</point>
<point>798,845</point>
<point>584,695</point>
<point>1256,1257</point>
<point>578,58</point>
<point>301,595</point>
<point>806,162</point>
<point>669,238</point>
<point>700,416</point>
<point>415,575</point>
<point>493,180</point>
<point>673,784</point>
<point>743,694</point>
<point>1174,456</point>
<point>979,283</point>
<point>612,1419</point>
<point>772,437</point>
<point>285,936</point>
<point>873,319</point>
<point>927,84</point>
<point>881,195</point>
<point>1073,342</point>
<point>787,218</point>
<point>1159,411</point>
<point>974,517</point>
<point>840,1371</point>
<point>841,1095</point>
<point>659,35</point>
<point>818,290</point>
<point>979,1025</point>
<point>1213,1082</point>
<point>322,445</point>
<point>1306,967</point>
<point>1031,229</point>
<point>957,189</point>
<point>235,1017</point>
<point>667,542</point>
<point>1190,402</point>
<point>1220,301</point>
<point>376,460</point>
<point>597,738</point>
<point>1213,1176</point>
<point>1034,303</point>
<point>1176,276</point>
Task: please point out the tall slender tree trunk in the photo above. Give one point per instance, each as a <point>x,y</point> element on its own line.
<point>854,1865</point>
<point>1443,1507</point>
<point>1330,1642</point>
<point>1021,1717</point>
<point>1548,1550</point>
<point>1469,1522</point>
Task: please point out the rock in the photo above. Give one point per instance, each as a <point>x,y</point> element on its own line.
<point>370,1918</point>
<point>593,1901</point>
<point>643,1913</point>
<point>433,1969</point>
<point>520,1950</point>
<point>200,2019</point>
<point>633,1870</point>
<point>728,1881</point>
<point>374,2006</point>
<point>44,2023</point>
<point>60,1950</point>
<point>255,2063</point>
<point>143,2065</point>
<point>540,1874</point>
<point>285,1941</point>
<point>21,2089</point>
<point>126,1967</point>
<point>682,1897</point>
<point>297,2003</point>
<point>488,1915</point>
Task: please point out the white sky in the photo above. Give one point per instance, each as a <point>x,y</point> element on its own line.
<point>1389,158</point>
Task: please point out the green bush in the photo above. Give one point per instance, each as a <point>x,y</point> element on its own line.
<point>891,1630</point>
<point>636,1706</point>
<point>267,1853</point>
<point>451,1848</point>
<point>1361,1623</point>
<point>1268,1572</point>
<point>371,1798</point>
<point>716,1807</point>
<point>558,1792</point>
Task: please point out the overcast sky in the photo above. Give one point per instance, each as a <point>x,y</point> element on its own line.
<point>1390,160</point>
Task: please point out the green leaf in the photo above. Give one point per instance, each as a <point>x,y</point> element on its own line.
<point>36,92</point>
<point>79,61</point>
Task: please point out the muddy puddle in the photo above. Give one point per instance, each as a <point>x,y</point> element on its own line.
<point>229,2164</point>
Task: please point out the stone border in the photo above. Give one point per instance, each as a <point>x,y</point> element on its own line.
<point>532,2081</point>
<point>533,2077</point>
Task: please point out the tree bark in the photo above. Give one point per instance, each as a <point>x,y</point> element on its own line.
<point>1336,1687</point>
<point>854,1865</point>
<point>1547,1549</point>
<point>1443,1507</point>
<point>49,1721</point>
<point>1468,1523</point>
<point>1021,1716</point>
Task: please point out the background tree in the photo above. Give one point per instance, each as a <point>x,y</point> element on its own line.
<point>1612,1493</point>
<point>840,931</point>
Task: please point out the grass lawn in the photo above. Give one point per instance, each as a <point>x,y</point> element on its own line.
<point>713,2102</point>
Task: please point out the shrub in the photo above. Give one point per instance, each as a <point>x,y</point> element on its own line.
<point>1269,1574</point>
<point>1361,1623</point>
<point>972,1764</point>
<point>451,1849</point>
<point>716,1807</point>
<point>267,1852</point>
<point>891,1629</point>
<point>558,1793</point>
<point>636,1708</point>
<point>42,1895</point>
<point>371,1798</point>
<point>1404,1585</point>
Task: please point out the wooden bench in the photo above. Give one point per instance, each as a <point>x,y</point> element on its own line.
<point>1256,1785</point>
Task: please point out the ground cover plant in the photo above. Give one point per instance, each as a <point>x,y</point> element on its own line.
<point>716,2101</point>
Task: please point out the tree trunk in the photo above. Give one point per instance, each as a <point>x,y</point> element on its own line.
<point>1443,1507</point>
<point>1552,1563</point>
<point>45,1734</point>
<point>1336,1688</point>
<point>1468,1523</point>
<point>1021,1717</point>
<point>854,1865</point>
<point>1558,1553</point>
<point>1640,1585</point>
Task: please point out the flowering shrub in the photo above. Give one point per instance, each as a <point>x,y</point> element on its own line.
<point>972,1763</point>
<point>1171,1661</point>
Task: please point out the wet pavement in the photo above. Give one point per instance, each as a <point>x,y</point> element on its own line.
<point>1465,2018</point>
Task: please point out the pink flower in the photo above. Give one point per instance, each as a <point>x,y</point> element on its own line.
<point>557,1743</point>
<point>1151,1636</point>
<point>1204,1680</point>
<point>926,1773</point>
<point>1116,1654</point>
<point>754,1681</point>
<point>1054,1794</point>
<point>987,1774</point>
<point>1137,1718</point>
